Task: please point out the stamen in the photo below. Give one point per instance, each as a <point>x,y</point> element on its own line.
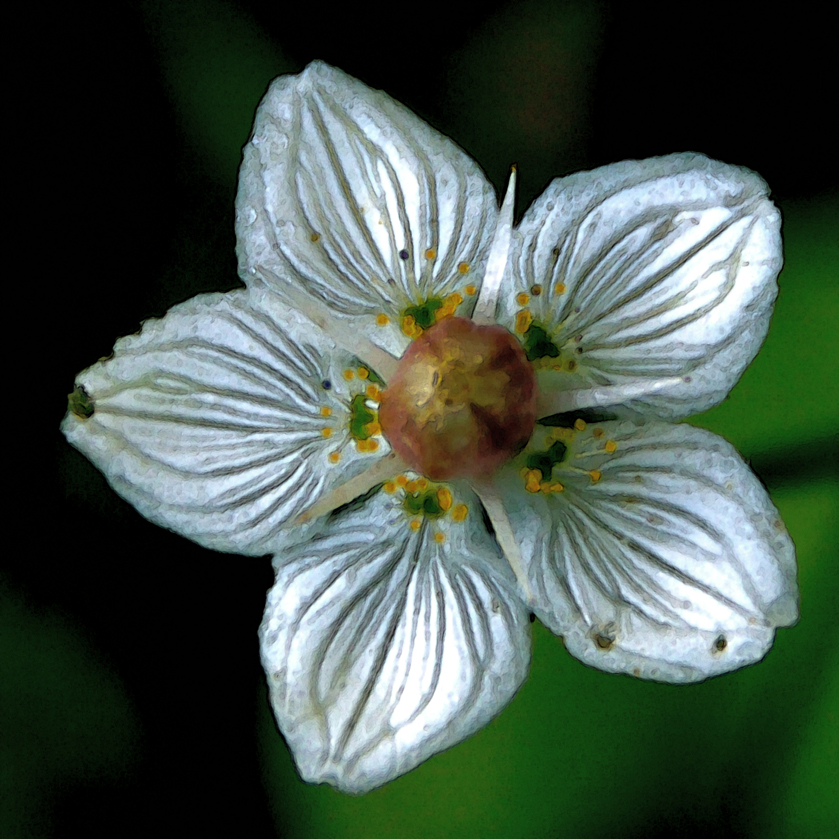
<point>345,336</point>
<point>498,254</point>
<point>358,485</point>
<point>562,402</point>
<point>488,494</point>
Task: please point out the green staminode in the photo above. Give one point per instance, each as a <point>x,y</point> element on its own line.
<point>360,417</point>
<point>545,461</point>
<point>425,502</point>
<point>423,314</point>
<point>538,345</point>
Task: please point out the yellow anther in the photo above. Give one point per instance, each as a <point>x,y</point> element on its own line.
<point>349,375</point>
<point>390,486</point>
<point>362,372</point>
<point>439,537</point>
<point>410,327</point>
<point>471,289</point>
<point>373,392</point>
<point>597,433</point>
<point>459,512</point>
<point>595,475</point>
<point>560,288</point>
<point>545,487</point>
<point>402,480</point>
<point>334,457</point>
<point>430,253</point>
<point>325,411</point>
<point>580,424</point>
<point>463,267</point>
<point>557,488</point>
<point>557,367</point>
<point>372,445</point>
<point>444,499</point>
<point>411,486</point>
<point>523,321</point>
<point>422,483</point>
<point>382,320</point>
<point>372,428</point>
<point>327,432</point>
<point>522,299</point>
<point>415,524</point>
<point>536,290</point>
<point>314,237</point>
<point>533,480</point>
<point>611,446</point>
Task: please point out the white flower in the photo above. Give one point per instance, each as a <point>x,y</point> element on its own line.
<point>399,625</point>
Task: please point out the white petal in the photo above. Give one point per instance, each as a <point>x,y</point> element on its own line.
<point>383,646</point>
<point>668,562</point>
<point>338,180</point>
<point>651,270</point>
<point>209,421</point>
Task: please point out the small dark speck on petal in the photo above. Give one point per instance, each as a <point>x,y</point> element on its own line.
<point>403,254</point>
<point>326,384</point>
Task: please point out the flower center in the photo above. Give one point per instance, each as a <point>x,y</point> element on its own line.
<point>462,402</point>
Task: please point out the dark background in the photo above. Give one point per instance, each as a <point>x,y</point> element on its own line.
<point>132,695</point>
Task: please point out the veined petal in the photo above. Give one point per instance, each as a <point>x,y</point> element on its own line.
<point>384,645</point>
<point>346,193</point>
<point>654,272</point>
<point>652,549</point>
<point>222,422</point>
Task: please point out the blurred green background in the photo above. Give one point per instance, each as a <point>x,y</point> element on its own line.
<point>132,700</point>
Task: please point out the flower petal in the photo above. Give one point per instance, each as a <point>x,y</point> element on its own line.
<point>350,195</point>
<point>656,553</point>
<point>646,271</point>
<point>214,421</point>
<point>384,646</point>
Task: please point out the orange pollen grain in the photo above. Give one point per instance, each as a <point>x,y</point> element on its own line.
<point>611,446</point>
<point>463,267</point>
